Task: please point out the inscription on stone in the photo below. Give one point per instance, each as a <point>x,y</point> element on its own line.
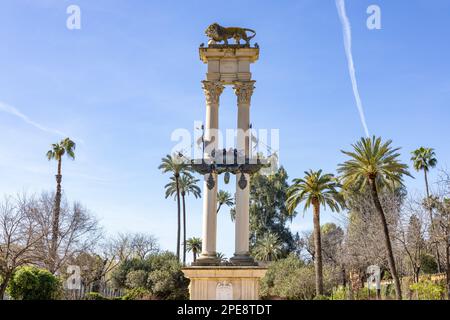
<point>224,291</point>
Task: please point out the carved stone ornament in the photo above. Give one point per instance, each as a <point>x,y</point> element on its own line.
<point>242,182</point>
<point>244,91</point>
<point>213,90</point>
<point>210,183</point>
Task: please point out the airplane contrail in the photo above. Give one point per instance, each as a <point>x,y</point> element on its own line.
<point>346,29</point>
<point>15,112</point>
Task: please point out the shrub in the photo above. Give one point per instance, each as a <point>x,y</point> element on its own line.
<point>31,283</point>
<point>168,282</point>
<point>386,275</point>
<point>365,293</point>
<point>388,290</point>
<point>136,279</point>
<point>340,293</point>
<point>406,289</point>
<point>159,274</point>
<point>137,294</point>
<point>291,279</point>
<point>428,290</point>
<point>320,297</point>
<point>94,296</point>
<point>428,264</point>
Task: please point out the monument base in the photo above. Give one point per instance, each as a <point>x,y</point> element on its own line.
<point>224,282</point>
<point>243,260</point>
<point>206,261</point>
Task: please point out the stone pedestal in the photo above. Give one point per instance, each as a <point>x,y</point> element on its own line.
<point>224,282</point>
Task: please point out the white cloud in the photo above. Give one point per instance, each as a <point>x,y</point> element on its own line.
<point>346,28</point>
<point>15,112</point>
<point>6,108</point>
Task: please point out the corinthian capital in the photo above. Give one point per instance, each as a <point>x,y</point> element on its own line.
<point>213,90</point>
<point>244,91</point>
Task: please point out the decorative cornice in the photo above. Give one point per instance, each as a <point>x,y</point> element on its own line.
<point>244,91</point>
<point>213,90</point>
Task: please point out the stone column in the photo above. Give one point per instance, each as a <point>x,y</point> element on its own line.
<point>244,91</point>
<point>213,90</point>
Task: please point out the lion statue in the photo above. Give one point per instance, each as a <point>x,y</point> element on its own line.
<point>218,33</point>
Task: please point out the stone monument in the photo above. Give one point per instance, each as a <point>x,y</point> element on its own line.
<point>228,64</point>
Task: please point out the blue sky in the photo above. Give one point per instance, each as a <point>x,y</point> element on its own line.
<point>131,75</point>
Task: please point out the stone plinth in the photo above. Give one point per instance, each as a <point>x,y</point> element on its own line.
<point>224,282</point>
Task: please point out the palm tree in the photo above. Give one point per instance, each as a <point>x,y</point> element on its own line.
<point>224,198</point>
<point>375,165</point>
<point>221,256</point>
<point>58,150</point>
<point>176,167</point>
<point>425,159</point>
<point>194,245</point>
<point>315,189</point>
<point>187,185</point>
<point>268,248</point>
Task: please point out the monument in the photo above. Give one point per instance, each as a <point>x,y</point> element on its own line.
<point>228,65</point>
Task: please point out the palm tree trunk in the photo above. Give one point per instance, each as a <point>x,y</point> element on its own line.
<point>178,216</point>
<point>55,221</point>
<point>426,184</point>
<point>436,256</point>
<point>183,194</point>
<point>195,255</point>
<point>318,249</point>
<point>387,240</point>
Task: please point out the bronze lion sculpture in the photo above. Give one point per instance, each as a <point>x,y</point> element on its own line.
<point>219,33</point>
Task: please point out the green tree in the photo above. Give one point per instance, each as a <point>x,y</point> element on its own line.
<point>32,283</point>
<point>375,165</point>
<point>315,189</point>
<point>194,245</point>
<point>58,150</point>
<point>137,279</point>
<point>187,185</point>
<point>424,159</point>
<point>268,211</point>
<point>176,167</point>
<point>224,198</point>
<point>267,248</point>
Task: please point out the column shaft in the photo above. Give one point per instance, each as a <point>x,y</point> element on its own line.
<point>244,92</point>
<point>208,256</point>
